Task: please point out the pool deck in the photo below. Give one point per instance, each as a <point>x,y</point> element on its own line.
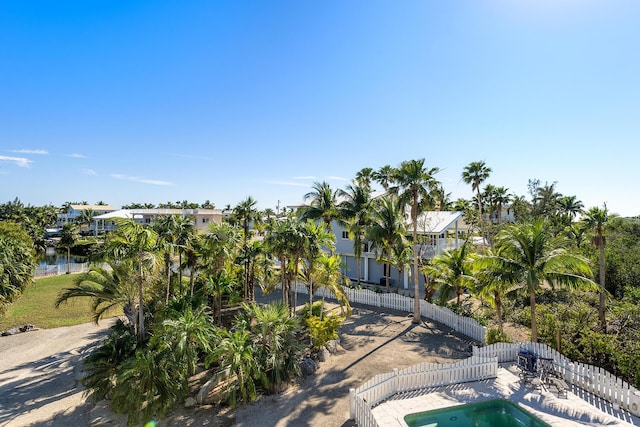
<point>577,409</point>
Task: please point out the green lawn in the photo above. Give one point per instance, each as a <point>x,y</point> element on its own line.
<point>35,306</point>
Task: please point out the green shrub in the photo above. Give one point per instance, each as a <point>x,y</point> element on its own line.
<point>323,330</point>
<point>495,335</point>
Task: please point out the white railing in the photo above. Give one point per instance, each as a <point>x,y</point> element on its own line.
<point>464,325</point>
<point>596,381</point>
<point>55,270</point>
<point>416,377</point>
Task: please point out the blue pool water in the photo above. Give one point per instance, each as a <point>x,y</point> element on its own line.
<point>490,413</point>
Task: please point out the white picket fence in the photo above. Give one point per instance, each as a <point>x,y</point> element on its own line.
<point>464,325</point>
<point>596,381</point>
<point>55,270</point>
<point>416,377</point>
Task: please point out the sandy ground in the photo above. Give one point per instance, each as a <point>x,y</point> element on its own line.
<point>40,371</point>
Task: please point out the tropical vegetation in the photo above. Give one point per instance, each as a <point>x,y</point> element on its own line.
<point>188,297</point>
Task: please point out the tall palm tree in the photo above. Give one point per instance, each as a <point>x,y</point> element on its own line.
<point>279,241</point>
<point>596,219</point>
<point>355,212</point>
<point>452,272</point>
<point>387,230</point>
<point>138,244</point>
<point>323,204</point>
<point>167,228</point>
<point>246,212</point>
<point>475,173</point>
<point>415,184</point>
<point>364,177</point>
<point>184,232</point>
<point>530,257</point>
<point>68,239</point>
<point>384,176</point>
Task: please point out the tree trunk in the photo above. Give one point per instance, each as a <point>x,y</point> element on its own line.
<point>534,328</point>
<point>499,313</point>
<point>601,307</point>
<point>141,307</point>
<point>416,281</point>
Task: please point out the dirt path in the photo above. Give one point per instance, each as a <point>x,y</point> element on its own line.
<point>39,373</point>
<point>38,382</point>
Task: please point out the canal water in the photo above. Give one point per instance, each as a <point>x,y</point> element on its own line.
<point>51,257</point>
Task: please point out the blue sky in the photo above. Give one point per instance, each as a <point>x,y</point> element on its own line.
<point>155,101</point>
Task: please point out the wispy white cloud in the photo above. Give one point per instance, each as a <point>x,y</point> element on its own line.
<point>89,172</point>
<point>27,151</point>
<point>310,177</point>
<point>141,180</point>
<point>19,161</point>
<point>77,156</point>
<point>191,157</point>
<point>337,178</point>
<point>288,183</point>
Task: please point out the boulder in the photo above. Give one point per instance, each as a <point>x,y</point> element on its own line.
<point>307,366</point>
<point>189,402</point>
<point>323,355</point>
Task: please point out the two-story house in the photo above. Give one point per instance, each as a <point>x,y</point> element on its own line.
<point>437,231</point>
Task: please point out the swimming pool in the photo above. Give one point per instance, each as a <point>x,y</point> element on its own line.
<point>490,413</point>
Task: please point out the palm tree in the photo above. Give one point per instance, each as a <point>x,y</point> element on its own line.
<point>384,176</point>
<point>323,204</point>
<point>363,177</point>
<point>318,239</point>
<point>68,239</point>
<point>108,287</point>
<point>355,212</point>
<point>139,244</point>
<point>492,285</point>
<point>86,217</point>
<point>401,256</point>
<point>475,173</point>
<point>329,278</point>
<point>451,271</point>
<point>545,198</point>
<point>246,212</point>
<point>183,233</point>
<point>415,184</point>
<point>530,257</point>
<point>387,230</point>
<point>167,228</point>
<point>279,243</point>
<point>596,219</point>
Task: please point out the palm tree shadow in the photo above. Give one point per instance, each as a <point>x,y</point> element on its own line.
<point>32,385</point>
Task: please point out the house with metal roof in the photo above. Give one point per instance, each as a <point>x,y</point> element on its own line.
<point>437,231</point>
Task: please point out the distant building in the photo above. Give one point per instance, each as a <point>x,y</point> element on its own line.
<point>74,213</point>
<point>201,217</point>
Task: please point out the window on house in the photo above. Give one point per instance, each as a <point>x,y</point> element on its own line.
<point>365,247</point>
<point>345,234</point>
<point>147,220</point>
<point>385,269</point>
<point>205,220</point>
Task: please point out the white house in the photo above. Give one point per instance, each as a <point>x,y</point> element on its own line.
<point>74,213</point>
<point>201,217</point>
<point>438,231</point>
